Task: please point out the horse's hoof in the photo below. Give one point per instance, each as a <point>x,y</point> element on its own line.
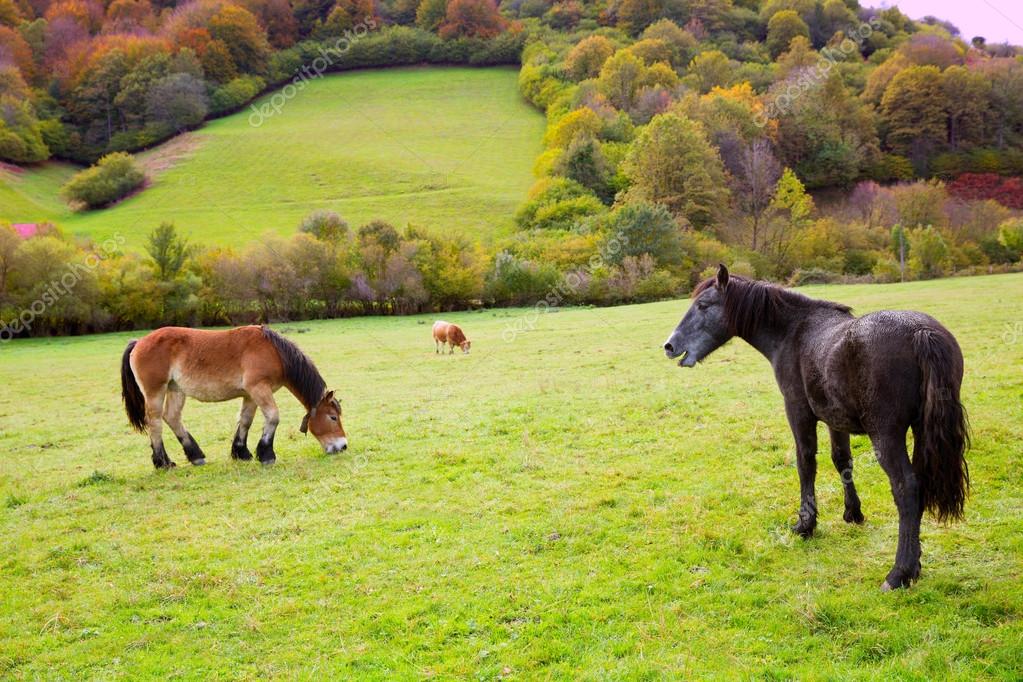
<point>268,462</point>
<point>241,455</point>
<point>804,530</point>
<point>853,516</point>
<point>198,462</point>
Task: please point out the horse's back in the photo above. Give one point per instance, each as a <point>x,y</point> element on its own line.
<point>206,364</point>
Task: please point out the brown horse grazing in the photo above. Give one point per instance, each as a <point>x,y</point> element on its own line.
<point>163,368</point>
<point>451,334</point>
<point>881,374</point>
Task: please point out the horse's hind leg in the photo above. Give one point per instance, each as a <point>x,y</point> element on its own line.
<point>841,455</point>
<point>154,424</point>
<point>240,446</point>
<point>892,455</point>
<point>172,415</point>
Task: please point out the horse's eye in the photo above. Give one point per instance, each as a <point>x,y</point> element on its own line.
<point>702,305</point>
<point>333,417</point>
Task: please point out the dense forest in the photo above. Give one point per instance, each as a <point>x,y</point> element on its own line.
<point>798,140</point>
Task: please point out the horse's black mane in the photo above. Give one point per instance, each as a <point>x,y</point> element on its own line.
<point>750,304</point>
<point>299,370</point>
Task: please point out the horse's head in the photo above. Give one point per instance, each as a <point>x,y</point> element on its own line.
<point>704,328</point>
<point>465,346</point>
<point>324,421</point>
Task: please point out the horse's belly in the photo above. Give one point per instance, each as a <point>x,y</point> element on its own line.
<point>208,391</point>
<point>836,415</point>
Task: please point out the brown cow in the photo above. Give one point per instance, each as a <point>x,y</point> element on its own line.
<point>451,334</point>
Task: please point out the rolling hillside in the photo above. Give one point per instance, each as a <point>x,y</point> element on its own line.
<point>446,148</point>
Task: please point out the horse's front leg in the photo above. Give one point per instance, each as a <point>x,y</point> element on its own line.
<point>264,397</point>
<point>891,454</point>
<point>803,423</point>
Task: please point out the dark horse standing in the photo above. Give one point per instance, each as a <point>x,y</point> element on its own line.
<point>880,374</point>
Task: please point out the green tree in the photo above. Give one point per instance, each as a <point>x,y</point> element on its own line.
<point>913,112</point>
<point>620,79</point>
<point>782,28</point>
<point>671,163</point>
<point>1010,235</point>
<point>929,254</point>
<point>168,250</point>
<point>584,162</point>
<point>642,228</point>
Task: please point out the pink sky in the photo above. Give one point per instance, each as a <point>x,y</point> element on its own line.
<point>996,20</point>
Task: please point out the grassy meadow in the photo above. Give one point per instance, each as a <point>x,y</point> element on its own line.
<point>562,503</point>
<point>445,148</point>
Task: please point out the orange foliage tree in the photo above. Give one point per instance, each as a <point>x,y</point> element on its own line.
<point>472,18</point>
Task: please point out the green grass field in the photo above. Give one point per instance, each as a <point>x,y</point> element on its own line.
<point>446,148</point>
<point>567,504</point>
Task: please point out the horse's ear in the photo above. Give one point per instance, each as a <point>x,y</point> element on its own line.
<point>304,428</point>
<point>722,276</point>
<point>328,397</point>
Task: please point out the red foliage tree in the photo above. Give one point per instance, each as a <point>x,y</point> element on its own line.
<point>979,186</point>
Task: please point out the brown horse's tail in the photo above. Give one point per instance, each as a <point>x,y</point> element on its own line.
<point>939,458</point>
<point>134,402</point>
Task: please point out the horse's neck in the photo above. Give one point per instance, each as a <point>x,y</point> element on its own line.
<point>775,339</point>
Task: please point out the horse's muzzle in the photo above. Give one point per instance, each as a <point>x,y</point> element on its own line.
<point>339,445</point>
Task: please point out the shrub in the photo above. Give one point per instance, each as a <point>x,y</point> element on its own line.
<point>235,93</point>
<point>113,177</point>
<point>324,225</point>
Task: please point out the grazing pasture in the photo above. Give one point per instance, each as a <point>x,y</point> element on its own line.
<point>445,148</point>
<point>562,502</point>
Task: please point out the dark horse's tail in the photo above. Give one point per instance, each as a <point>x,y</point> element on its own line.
<point>939,456</point>
<point>134,403</point>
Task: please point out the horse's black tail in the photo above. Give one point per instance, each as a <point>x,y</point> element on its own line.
<point>939,458</point>
<point>134,403</point>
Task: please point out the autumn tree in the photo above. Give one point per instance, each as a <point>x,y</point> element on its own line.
<point>754,175</point>
<point>430,14</point>
<point>672,163</point>
<point>472,19</point>
<point>620,79</point>
<point>682,43</point>
<point>636,15</point>
<point>244,37</point>
<point>967,99</point>
<point>913,112</point>
<point>589,54</point>
<point>710,69</point>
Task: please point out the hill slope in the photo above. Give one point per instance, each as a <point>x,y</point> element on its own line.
<point>448,148</point>
<point>564,504</point>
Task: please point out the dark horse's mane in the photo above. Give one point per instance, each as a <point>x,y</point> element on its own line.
<point>299,370</point>
<point>751,304</point>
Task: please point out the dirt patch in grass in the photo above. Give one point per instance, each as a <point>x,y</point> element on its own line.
<point>170,153</point>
